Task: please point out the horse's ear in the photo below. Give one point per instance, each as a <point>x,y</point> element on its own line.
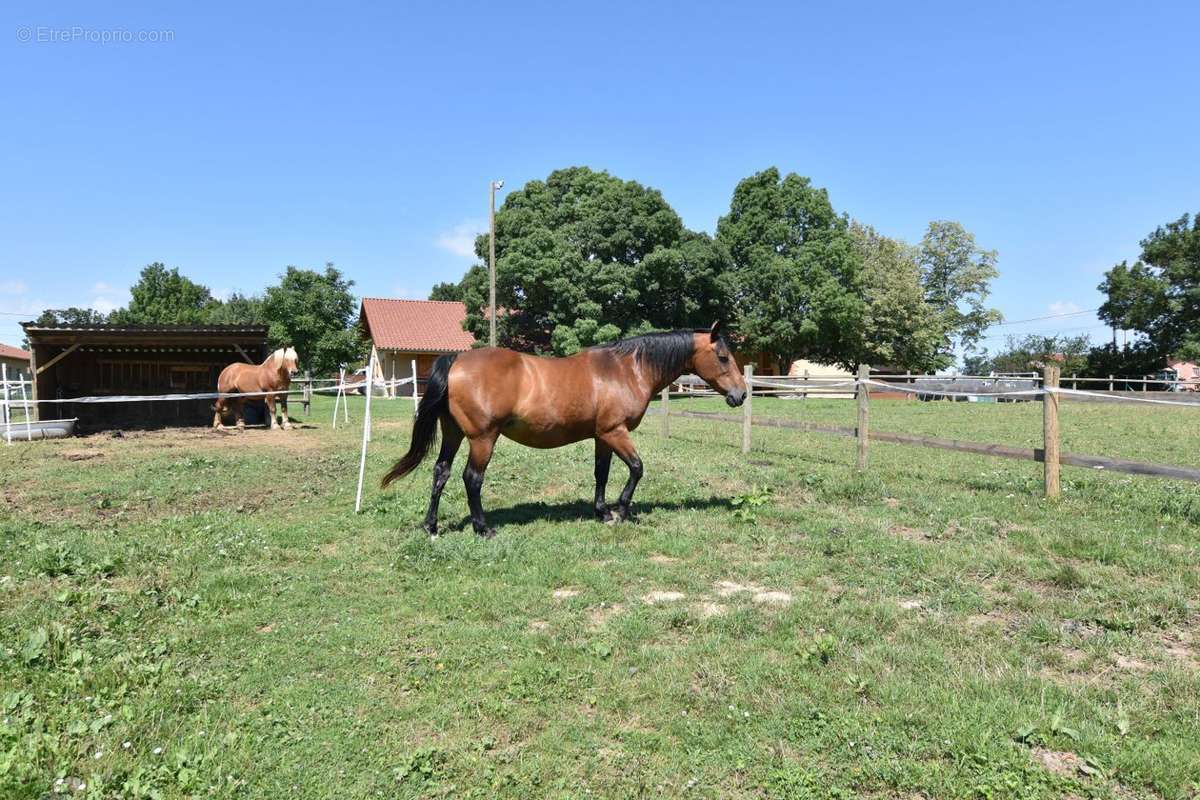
<point>715,330</point>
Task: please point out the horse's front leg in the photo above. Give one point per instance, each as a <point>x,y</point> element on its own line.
<point>270,400</point>
<point>287,425</point>
<point>604,455</point>
<point>621,444</point>
<point>239,411</point>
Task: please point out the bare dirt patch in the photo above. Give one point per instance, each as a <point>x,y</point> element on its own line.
<point>1060,762</point>
<point>911,534</point>
<point>709,609</point>
<point>81,455</point>
<point>658,596</point>
<point>601,614</point>
<point>663,560</point>
<point>1181,646</point>
<point>910,605</point>
<point>730,588</point>
<point>539,625</point>
<point>565,593</point>
<point>771,597</point>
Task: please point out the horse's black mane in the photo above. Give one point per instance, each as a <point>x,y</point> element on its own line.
<point>666,352</point>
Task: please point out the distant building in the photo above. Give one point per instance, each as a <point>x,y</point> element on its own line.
<point>125,360</point>
<point>1187,372</point>
<point>16,359</point>
<point>407,331</point>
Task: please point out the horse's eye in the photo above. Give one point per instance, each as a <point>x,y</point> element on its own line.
<point>723,359</point>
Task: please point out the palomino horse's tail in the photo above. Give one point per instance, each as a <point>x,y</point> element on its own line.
<point>433,405</point>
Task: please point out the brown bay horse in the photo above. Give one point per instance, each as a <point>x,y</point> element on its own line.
<point>273,375</point>
<point>600,393</point>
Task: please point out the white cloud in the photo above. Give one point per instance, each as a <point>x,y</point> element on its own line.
<point>460,240</point>
<point>405,293</point>
<point>104,288</point>
<point>1062,307</point>
<point>9,288</point>
<point>104,305</point>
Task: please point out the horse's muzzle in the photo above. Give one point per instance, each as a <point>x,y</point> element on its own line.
<point>735,397</point>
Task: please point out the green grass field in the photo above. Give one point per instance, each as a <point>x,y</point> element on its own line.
<point>189,614</point>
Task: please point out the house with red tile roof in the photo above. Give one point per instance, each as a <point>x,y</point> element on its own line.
<point>16,359</point>
<point>405,332</point>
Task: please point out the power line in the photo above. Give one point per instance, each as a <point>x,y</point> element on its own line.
<point>1048,316</point>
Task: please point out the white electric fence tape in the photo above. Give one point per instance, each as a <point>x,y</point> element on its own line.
<point>149,398</point>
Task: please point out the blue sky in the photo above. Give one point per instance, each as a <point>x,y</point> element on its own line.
<point>259,135</point>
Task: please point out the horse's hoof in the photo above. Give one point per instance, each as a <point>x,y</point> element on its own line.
<point>432,530</point>
<point>287,427</point>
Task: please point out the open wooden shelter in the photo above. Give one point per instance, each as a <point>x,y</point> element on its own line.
<point>119,360</point>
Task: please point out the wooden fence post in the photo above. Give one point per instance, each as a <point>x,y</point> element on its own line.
<point>1050,432</point>
<point>1110,382</point>
<point>805,395</point>
<point>666,411</point>
<point>747,411</point>
<point>307,399</point>
<point>863,431</point>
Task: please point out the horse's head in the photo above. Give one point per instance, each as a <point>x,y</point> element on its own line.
<point>286,358</point>
<point>713,362</point>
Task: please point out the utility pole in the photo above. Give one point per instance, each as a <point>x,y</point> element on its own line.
<point>492,187</point>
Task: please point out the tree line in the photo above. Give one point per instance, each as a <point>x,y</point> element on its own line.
<point>313,311</point>
<point>1157,297</point>
<point>584,257</point>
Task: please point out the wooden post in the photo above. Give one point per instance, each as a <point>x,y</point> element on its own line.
<point>747,406</point>
<point>307,400</point>
<point>862,431</point>
<point>1110,382</point>
<point>1074,382</point>
<point>666,411</point>
<point>805,395</point>
<point>416,402</point>
<point>1050,432</point>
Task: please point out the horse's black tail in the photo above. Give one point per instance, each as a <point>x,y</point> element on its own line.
<point>433,405</point>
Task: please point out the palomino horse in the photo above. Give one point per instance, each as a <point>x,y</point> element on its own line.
<point>273,375</point>
<point>600,393</point>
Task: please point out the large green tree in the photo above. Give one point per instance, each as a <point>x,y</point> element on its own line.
<point>584,257</point>
<point>314,312</point>
<point>163,296</point>
<point>957,276</point>
<point>796,280</point>
<point>237,309</point>
<point>1159,295</point>
<point>899,328</point>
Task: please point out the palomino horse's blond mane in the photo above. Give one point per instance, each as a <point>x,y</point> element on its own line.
<point>284,358</point>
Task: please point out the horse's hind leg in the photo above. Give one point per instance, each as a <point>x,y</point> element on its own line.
<point>621,444</point>
<point>477,461</point>
<point>452,437</point>
<point>287,425</point>
<point>239,411</point>
<point>220,409</point>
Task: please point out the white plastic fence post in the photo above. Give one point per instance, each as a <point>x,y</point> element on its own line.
<point>371,367</point>
<point>414,377</point>
<point>337,395</point>
<point>362,460</point>
<point>6,417</point>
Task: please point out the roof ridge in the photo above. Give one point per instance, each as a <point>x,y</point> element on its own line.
<point>412,300</point>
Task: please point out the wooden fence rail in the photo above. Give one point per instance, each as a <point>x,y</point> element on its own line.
<point>1049,454</point>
